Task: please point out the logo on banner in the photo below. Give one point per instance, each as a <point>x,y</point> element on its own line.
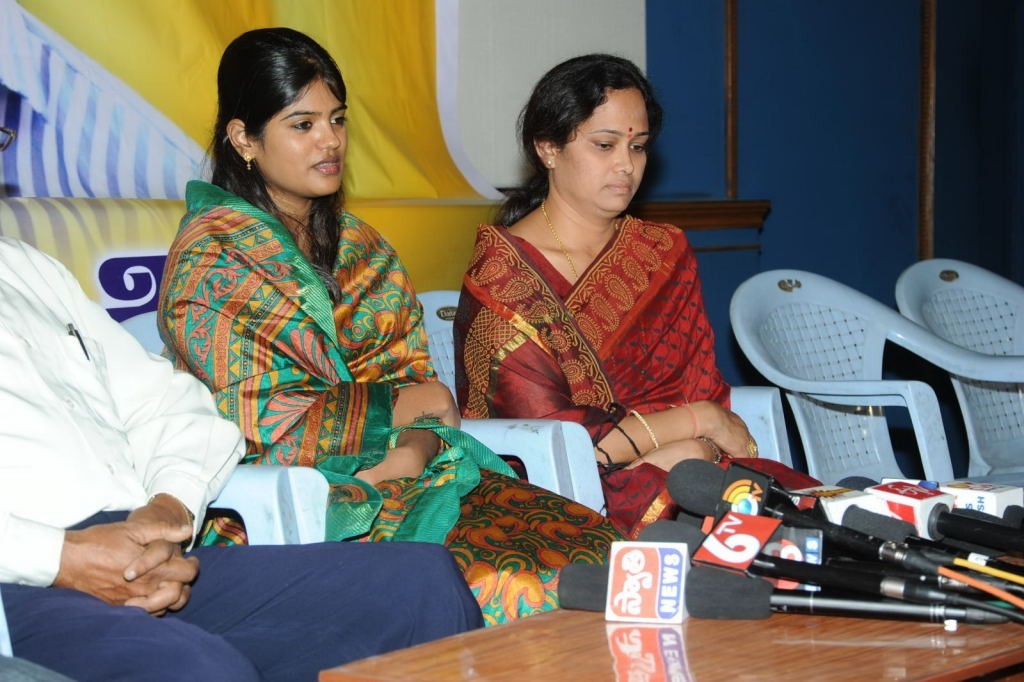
<point>129,284</point>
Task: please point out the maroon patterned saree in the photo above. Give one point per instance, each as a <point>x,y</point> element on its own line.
<point>632,333</point>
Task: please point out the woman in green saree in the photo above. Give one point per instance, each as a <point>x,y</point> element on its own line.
<point>303,322</point>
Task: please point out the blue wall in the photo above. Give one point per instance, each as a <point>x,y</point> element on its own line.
<point>978,183</point>
<point>828,132</point>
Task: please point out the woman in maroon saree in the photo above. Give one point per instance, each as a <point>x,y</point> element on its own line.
<point>577,312</point>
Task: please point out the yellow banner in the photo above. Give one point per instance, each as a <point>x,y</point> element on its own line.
<point>168,53</point>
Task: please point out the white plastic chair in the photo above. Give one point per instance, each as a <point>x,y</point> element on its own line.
<point>760,407</point>
<point>5,635</point>
<point>983,312</point>
<point>143,327</point>
<point>278,504</point>
<point>822,342</point>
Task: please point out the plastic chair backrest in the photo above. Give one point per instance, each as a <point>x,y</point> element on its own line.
<point>143,328</point>
<point>823,343</point>
<point>438,319</point>
<point>981,311</point>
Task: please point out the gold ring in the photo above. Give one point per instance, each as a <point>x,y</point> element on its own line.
<point>752,448</point>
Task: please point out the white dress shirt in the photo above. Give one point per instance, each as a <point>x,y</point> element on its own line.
<point>89,421</point>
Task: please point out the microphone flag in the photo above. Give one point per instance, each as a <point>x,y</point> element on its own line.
<point>646,582</point>
<point>735,541</point>
<point>913,503</point>
<point>991,498</point>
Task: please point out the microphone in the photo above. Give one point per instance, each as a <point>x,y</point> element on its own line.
<point>583,587</point>
<point>665,530</point>
<point>1014,516</point>
<point>929,511</point>
<point>723,595</point>
<point>814,603</point>
<point>833,501</point>
<point>877,584</point>
<point>737,541</point>
<point>899,531</point>
<point>879,525</point>
<point>696,484</point>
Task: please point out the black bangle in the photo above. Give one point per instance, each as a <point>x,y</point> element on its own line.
<point>626,435</point>
<point>605,453</point>
<point>617,412</point>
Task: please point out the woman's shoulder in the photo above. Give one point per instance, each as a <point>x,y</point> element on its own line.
<point>655,231</point>
<point>668,228</point>
<point>487,234</point>
<point>491,241</point>
<point>209,208</point>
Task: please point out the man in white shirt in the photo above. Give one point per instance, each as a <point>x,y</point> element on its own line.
<point>108,459</point>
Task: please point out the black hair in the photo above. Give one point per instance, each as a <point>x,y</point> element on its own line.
<point>261,72</point>
<point>563,99</point>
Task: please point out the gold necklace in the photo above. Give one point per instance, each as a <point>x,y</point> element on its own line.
<point>565,252</point>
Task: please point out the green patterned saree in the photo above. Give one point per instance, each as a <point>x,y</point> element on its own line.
<point>312,384</point>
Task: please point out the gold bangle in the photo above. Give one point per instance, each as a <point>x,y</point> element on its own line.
<point>715,450</point>
<point>643,423</point>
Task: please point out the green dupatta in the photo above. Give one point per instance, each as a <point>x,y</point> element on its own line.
<point>292,391</point>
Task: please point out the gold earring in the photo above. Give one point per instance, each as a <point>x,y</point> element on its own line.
<point>248,162</point>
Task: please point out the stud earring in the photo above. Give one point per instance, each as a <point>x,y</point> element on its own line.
<point>248,162</point>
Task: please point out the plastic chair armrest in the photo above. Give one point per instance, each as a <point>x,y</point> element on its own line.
<point>919,400</point>
<point>887,392</point>
<point>760,407</point>
<point>586,481</point>
<point>279,504</point>
<point>537,442</point>
<point>961,361</point>
<point>558,457</point>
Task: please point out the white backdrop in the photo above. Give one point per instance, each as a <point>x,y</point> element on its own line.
<point>500,51</point>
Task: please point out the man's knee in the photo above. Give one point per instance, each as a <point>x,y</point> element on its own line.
<point>431,578</point>
<point>85,639</point>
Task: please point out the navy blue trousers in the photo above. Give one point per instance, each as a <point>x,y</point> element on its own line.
<point>256,613</point>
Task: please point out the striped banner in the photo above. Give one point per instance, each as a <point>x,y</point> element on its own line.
<point>81,131</point>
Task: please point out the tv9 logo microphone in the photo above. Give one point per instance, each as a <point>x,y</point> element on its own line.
<point>736,540</point>
<point>743,491</point>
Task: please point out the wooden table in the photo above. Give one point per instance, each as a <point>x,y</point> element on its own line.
<point>577,646</point>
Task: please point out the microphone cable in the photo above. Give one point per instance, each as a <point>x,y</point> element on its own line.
<point>988,570</point>
<point>987,588</point>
